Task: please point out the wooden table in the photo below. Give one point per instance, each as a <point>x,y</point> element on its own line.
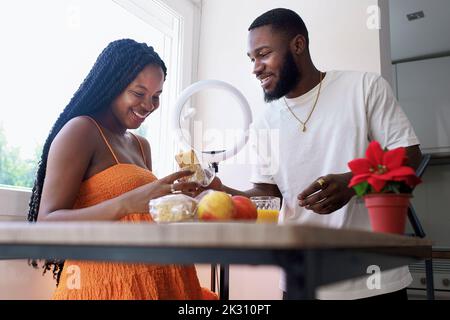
<point>311,256</point>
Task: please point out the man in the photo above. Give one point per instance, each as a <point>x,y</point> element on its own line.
<point>323,120</point>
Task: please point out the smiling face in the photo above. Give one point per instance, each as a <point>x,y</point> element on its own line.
<point>140,98</point>
<point>274,63</point>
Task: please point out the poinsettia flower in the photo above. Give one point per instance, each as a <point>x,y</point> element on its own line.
<point>380,167</point>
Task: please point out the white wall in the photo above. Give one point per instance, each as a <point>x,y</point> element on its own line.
<point>340,39</point>
<point>339,36</point>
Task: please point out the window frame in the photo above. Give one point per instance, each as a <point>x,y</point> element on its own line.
<point>183,33</point>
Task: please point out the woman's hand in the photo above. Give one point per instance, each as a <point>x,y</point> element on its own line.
<point>136,201</point>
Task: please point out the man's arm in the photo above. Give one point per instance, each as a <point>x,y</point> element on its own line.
<point>387,123</point>
<point>259,189</point>
<point>334,191</point>
<point>414,156</point>
<point>333,195</point>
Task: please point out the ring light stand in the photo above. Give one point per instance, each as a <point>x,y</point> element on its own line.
<point>214,157</point>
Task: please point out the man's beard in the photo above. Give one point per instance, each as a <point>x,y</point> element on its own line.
<point>289,77</point>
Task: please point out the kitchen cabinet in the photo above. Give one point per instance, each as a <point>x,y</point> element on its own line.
<point>423,89</point>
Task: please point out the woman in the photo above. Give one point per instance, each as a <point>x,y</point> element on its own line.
<point>93,169</point>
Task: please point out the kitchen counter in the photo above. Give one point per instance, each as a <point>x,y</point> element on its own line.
<point>305,252</point>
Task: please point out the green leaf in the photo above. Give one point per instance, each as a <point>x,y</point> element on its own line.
<point>14,169</point>
<point>393,187</point>
<point>362,188</point>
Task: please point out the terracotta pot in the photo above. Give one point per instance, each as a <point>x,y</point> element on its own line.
<point>388,212</point>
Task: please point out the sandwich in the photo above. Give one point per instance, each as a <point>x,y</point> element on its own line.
<point>188,161</point>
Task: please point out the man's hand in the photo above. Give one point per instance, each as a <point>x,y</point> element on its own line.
<point>327,194</point>
<point>215,185</point>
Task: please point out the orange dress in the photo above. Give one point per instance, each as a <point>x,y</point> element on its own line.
<point>117,281</point>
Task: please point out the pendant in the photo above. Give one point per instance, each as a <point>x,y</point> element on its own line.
<point>304,128</point>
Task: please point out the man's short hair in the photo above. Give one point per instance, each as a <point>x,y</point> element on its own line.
<point>283,20</point>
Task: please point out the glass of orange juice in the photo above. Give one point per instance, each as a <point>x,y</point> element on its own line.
<point>268,208</point>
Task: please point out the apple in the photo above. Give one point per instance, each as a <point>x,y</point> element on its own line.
<point>245,208</point>
<point>216,205</point>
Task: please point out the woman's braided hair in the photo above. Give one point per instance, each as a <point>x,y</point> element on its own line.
<point>116,67</point>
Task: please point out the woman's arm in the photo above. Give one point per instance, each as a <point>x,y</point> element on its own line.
<point>69,158</point>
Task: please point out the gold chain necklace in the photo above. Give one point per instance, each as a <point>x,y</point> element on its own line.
<point>312,110</point>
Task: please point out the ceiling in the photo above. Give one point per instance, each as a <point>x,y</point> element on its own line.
<point>422,37</point>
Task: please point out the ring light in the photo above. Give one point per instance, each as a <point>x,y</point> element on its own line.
<point>213,156</point>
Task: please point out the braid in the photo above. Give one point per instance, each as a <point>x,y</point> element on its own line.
<point>116,67</point>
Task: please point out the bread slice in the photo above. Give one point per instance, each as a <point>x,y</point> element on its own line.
<point>186,158</point>
<point>188,161</point>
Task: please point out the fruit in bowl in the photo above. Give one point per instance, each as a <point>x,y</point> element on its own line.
<point>245,208</point>
<point>216,205</point>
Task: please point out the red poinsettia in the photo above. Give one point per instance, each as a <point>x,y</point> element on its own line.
<point>382,171</point>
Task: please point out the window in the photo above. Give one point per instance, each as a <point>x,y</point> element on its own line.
<point>48,49</point>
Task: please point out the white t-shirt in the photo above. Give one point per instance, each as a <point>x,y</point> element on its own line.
<point>353,109</point>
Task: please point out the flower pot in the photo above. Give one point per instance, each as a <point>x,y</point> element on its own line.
<point>388,212</point>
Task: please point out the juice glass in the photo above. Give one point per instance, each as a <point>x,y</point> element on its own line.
<point>268,209</point>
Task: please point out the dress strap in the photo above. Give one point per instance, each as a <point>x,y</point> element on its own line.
<point>104,138</point>
<point>140,146</point>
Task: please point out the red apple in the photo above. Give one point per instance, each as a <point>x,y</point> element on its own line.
<point>216,206</point>
<point>245,208</point>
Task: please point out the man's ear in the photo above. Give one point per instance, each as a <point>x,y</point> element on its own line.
<point>298,44</point>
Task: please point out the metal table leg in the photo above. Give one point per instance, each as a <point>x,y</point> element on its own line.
<point>430,279</point>
<point>224,287</point>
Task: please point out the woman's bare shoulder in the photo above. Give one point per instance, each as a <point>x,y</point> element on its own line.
<point>80,134</point>
<point>81,125</point>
